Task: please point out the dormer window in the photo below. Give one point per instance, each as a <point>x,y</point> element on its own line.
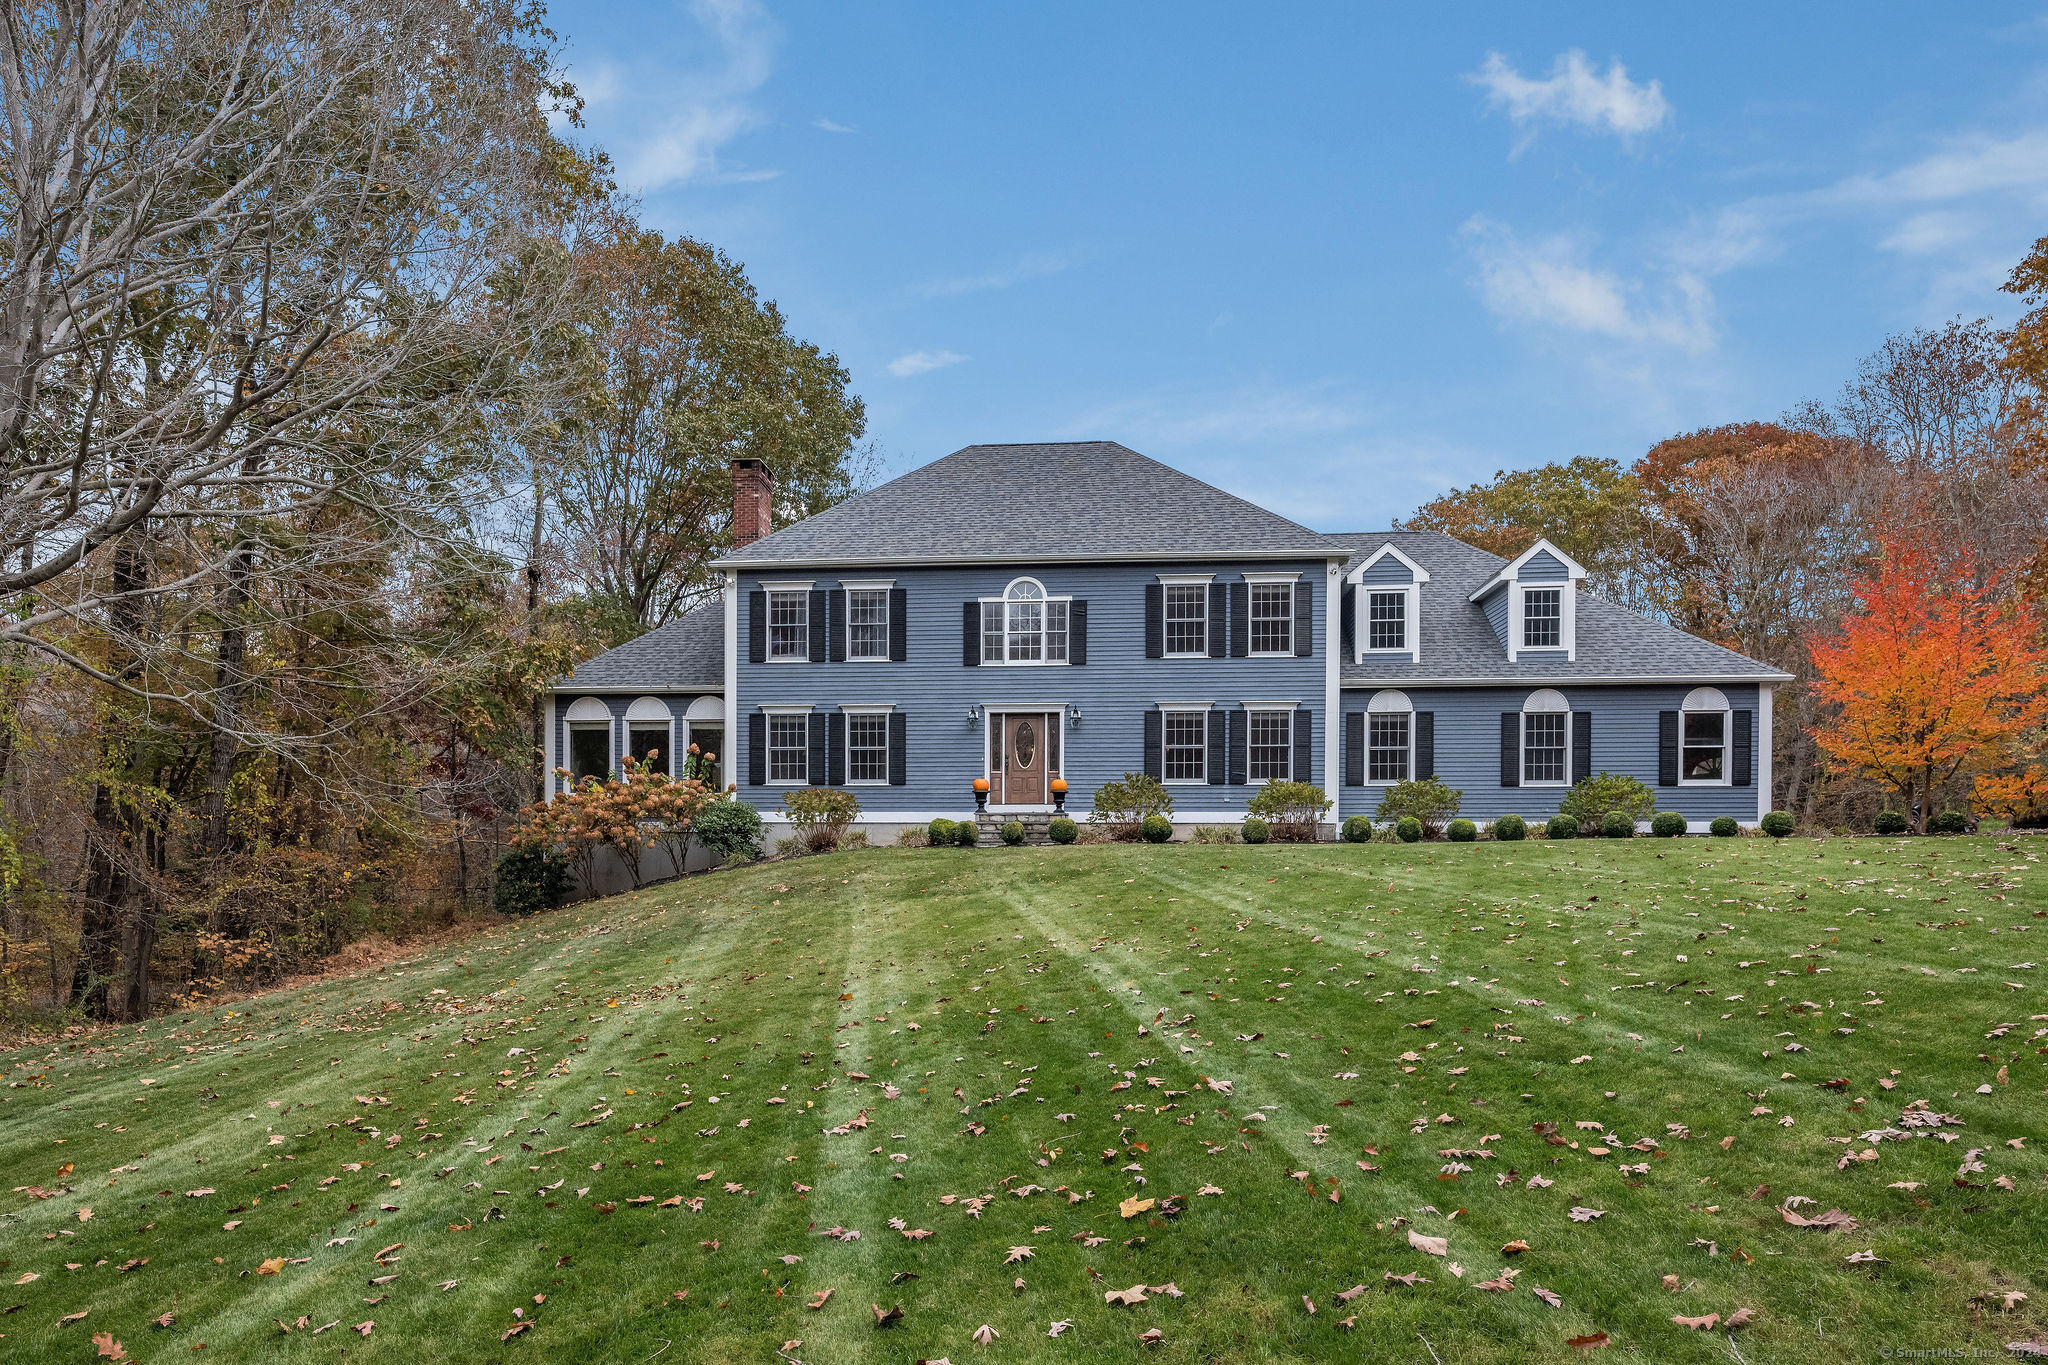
<point>1386,617</point>
<point>1386,620</point>
<point>1532,603</point>
<point>1542,618</point>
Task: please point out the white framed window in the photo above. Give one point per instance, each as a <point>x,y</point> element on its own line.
<point>1546,740</point>
<point>1389,738</point>
<point>650,734</point>
<point>1543,618</point>
<point>789,625</point>
<point>1024,626</point>
<point>1272,617</point>
<point>1386,620</point>
<point>867,623</point>
<point>1187,620</point>
<point>590,740</point>
<point>867,747</point>
<point>789,747</point>
<point>1703,737</point>
<point>1186,736</point>
<point>1269,747</point>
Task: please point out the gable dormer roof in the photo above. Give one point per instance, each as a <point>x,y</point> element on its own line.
<point>1073,501</point>
<point>1541,562</point>
<point>1358,574</point>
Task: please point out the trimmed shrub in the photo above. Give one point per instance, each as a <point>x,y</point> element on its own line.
<point>1430,801</point>
<point>1593,799</point>
<point>529,880</point>
<point>1667,824</point>
<point>1013,833</point>
<point>1157,829</point>
<point>966,833</point>
<point>939,833</point>
<point>1255,830</point>
<point>1462,831</point>
<point>1889,822</point>
<point>1357,830</point>
<point>1510,829</point>
<point>1615,825</point>
<point>1560,827</point>
<point>1291,809</point>
<point>730,828</point>
<point>1949,822</point>
<point>1724,827</point>
<point>1062,830</point>
<point>1778,824</point>
<point>820,815</point>
<point>1408,829</point>
<point>1122,806</point>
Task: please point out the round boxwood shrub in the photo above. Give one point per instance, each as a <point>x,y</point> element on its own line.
<point>1667,824</point>
<point>1062,830</point>
<point>1778,824</point>
<point>1157,829</point>
<point>1013,833</point>
<point>1510,829</point>
<point>1256,831</point>
<point>966,833</point>
<point>1560,827</point>
<point>1462,831</point>
<point>1889,822</point>
<point>1408,829</point>
<point>1724,827</point>
<point>528,880</point>
<point>939,833</point>
<point>1615,825</point>
<point>1949,822</point>
<point>1358,830</point>
<point>728,827</point>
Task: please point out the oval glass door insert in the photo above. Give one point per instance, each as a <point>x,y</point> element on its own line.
<point>1027,743</point>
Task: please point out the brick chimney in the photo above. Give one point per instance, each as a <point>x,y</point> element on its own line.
<point>753,502</point>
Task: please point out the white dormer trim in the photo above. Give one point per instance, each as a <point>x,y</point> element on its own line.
<point>1509,577</point>
<point>1411,606</point>
<point>1357,575</point>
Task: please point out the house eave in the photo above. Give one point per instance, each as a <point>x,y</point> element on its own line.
<point>1572,680</point>
<point>1176,556</point>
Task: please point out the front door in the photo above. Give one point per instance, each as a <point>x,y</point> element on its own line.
<point>1023,776</point>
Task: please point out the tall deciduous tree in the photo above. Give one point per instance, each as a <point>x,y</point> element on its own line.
<point>1933,676</point>
<point>1586,507</point>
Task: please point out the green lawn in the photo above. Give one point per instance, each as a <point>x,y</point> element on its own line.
<point>1699,1019</point>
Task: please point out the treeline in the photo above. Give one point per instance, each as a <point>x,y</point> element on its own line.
<point>343,404</point>
<point>1920,490</point>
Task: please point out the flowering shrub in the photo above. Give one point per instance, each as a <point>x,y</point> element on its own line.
<point>638,810</point>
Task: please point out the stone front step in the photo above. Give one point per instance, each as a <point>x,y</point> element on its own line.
<point>989,828</point>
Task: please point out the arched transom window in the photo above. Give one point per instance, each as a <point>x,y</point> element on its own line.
<point>1703,738</point>
<point>1024,626</point>
<point>1546,739</point>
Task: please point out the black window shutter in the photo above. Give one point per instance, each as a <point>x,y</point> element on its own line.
<point>1219,739</point>
<point>1155,745</point>
<point>757,749</point>
<point>836,627</point>
<point>835,741</point>
<point>1667,748</point>
<point>899,748</point>
<point>1511,748</point>
<point>899,625</point>
<point>1077,632</point>
<point>970,638</point>
<point>1155,621</point>
<point>1219,600</point>
<point>1347,616</point>
<point>1425,745</point>
<point>818,599</point>
<point>1354,749</point>
<point>1582,745</point>
<point>1303,728</point>
<point>1744,755</point>
<point>816,770</point>
<point>1240,753</point>
<point>1240,620</point>
<point>1304,622</point>
<point>757,627</point>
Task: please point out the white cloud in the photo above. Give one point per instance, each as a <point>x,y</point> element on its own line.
<point>923,362</point>
<point>1550,286</point>
<point>695,115</point>
<point>1024,268</point>
<point>1574,93</point>
<point>827,125</point>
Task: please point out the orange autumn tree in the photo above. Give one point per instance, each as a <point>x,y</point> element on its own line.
<point>1935,674</point>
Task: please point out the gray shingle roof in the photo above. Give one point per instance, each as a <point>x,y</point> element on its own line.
<point>686,654</point>
<point>1070,500</point>
<point>1459,643</point>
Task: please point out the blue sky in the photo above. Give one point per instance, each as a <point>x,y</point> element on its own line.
<point>1333,258</point>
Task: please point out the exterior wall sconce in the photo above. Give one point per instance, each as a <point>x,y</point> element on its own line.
<point>1074,716</point>
<point>973,715</point>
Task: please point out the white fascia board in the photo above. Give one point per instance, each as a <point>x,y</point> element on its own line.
<point>1357,575</point>
<point>1577,680</point>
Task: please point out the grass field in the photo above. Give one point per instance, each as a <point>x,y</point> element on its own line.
<point>650,1127</point>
